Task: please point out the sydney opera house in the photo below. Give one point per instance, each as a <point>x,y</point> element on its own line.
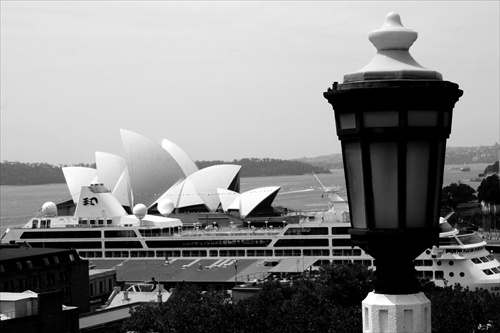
<point>164,179</point>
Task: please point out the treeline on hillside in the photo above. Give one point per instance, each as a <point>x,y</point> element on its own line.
<point>17,173</point>
<point>454,155</point>
<point>257,167</point>
<point>465,155</point>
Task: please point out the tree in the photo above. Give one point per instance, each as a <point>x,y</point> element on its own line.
<point>489,190</point>
<point>456,194</point>
<point>330,303</point>
<point>345,284</point>
<point>458,309</point>
<point>493,168</point>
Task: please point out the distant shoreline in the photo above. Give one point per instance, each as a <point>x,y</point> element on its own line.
<point>480,168</point>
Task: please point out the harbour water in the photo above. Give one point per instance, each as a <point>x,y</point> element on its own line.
<point>18,204</point>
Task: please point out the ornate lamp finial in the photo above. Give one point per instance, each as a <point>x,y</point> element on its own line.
<point>393,61</point>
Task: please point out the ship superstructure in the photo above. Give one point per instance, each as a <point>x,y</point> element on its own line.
<point>461,257</point>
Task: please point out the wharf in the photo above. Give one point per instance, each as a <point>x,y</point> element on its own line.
<point>225,272</point>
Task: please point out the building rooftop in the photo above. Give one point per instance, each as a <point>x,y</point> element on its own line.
<point>200,270</point>
<point>5,296</point>
<point>24,252</point>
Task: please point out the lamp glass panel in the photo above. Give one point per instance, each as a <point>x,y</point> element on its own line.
<point>355,184</point>
<point>384,172</point>
<point>447,119</point>
<point>417,183</point>
<point>347,120</point>
<point>439,181</point>
<point>380,119</point>
<point>422,118</point>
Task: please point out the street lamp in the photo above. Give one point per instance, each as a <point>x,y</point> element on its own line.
<point>393,118</point>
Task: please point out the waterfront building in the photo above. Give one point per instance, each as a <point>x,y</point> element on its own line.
<point>44,270</point>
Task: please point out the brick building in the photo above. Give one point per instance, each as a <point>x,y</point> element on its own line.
<point>45,270</point>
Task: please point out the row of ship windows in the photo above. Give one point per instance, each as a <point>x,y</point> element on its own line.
<point>150,232</point>
<point>491,271</point>
<point>459,251</point>
<point>220,253</point>
<point>201,243</point>
<point>42,224</point>
<point>483,259</point>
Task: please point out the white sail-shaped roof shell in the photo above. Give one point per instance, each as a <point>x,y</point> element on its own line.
<point>76,177</point>
<point>207,180</point>
<point>201,187</point>
<point>151,168</point>
<point>226,198</point>
<point>247,201</point>
<point>185,162</point>
<point>112,171</point>
<point>183,194</point>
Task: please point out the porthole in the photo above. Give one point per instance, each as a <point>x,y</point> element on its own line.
<point>462,274</point>
<point>439,263</point>
<point>428,252</point>
<point>451,263</point>
<point>451,274</point>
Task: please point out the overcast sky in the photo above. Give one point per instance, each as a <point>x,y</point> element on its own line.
<point>222,80</point>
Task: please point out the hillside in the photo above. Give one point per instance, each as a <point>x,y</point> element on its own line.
<point>17,173</point>
<point>255,167</point>
<point>454,156</point>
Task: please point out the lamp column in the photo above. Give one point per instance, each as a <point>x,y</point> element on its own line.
<point>393,118</point>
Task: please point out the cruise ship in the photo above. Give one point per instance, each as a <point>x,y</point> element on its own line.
<point>461,256</point>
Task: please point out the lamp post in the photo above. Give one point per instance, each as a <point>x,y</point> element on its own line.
<point>393,117</point>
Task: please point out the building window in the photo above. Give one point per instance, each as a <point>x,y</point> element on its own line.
<point>46,261</point>
<point>29,263</point>
<point>19,265</point>
<point>56,259</point>
<point>71,257</point>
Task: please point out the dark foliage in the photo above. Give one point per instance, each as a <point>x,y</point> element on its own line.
<point>458,309</point>
<point>17,173</point>
<point>328,302</point>
<point>489,190</point>
<point>493,168</point>
<point>257,167</point>
<point>455,194</point>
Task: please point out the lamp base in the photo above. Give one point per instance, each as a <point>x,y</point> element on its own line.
<point>396,313</point>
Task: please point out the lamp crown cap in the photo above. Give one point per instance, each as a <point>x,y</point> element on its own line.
<point>393,60</point>
<point>392,35</point>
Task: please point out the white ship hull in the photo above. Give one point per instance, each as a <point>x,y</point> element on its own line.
<point>460,258</point>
